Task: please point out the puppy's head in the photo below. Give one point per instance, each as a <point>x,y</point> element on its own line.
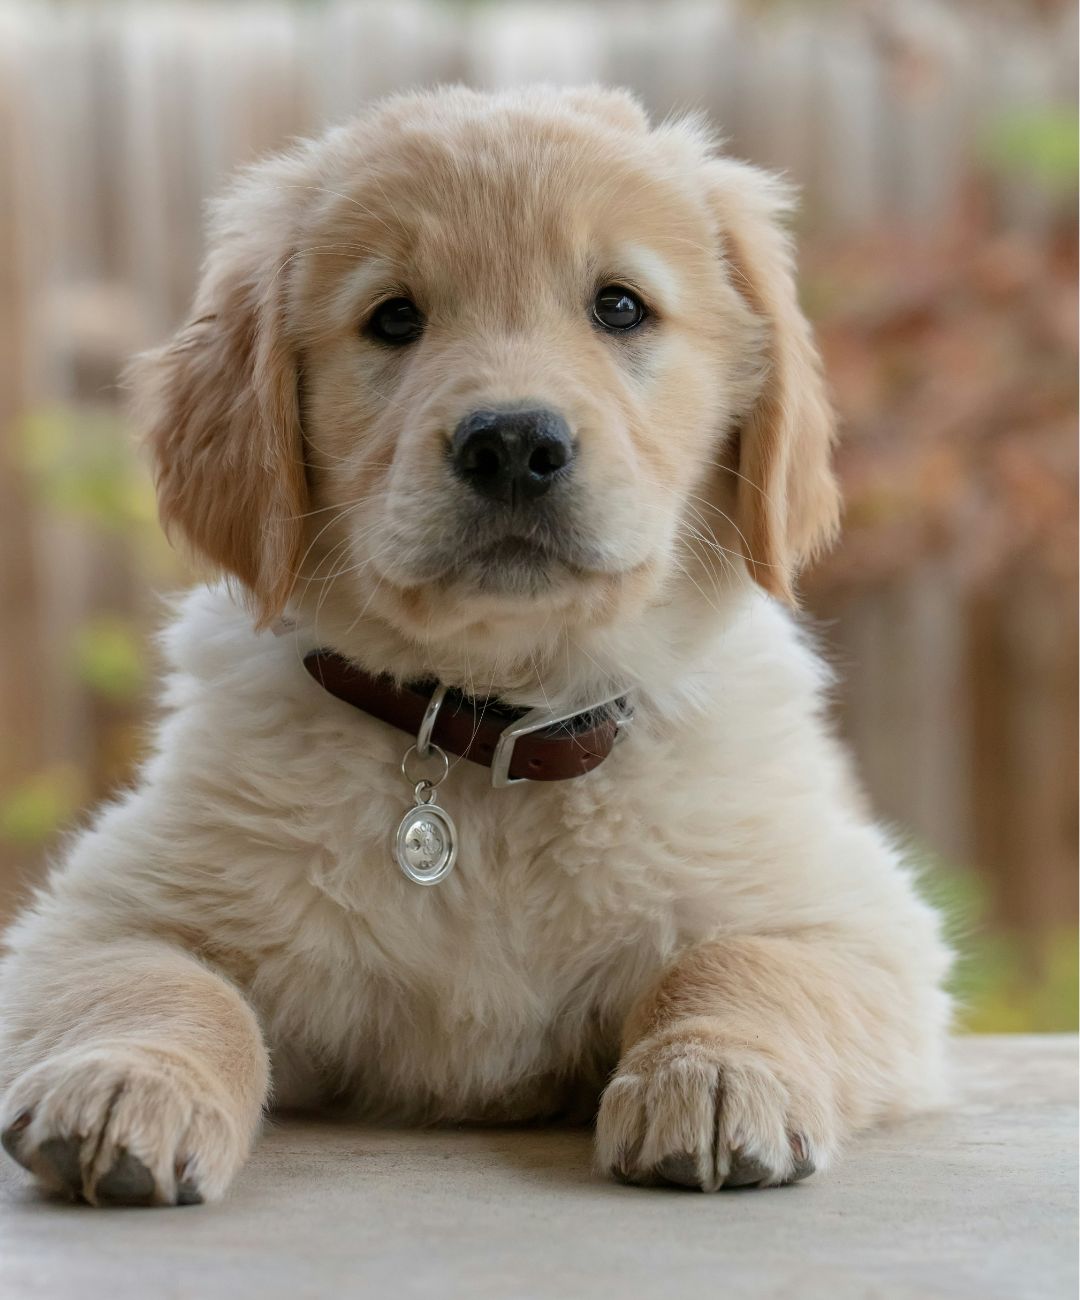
<point>508,362</point>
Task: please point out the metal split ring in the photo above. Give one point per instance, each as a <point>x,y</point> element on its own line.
<point>433,752</point>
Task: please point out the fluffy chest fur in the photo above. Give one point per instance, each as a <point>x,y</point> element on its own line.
<point>498,990</point>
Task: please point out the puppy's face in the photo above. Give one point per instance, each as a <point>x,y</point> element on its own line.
<point>520,352</point>
<point>497,363</point>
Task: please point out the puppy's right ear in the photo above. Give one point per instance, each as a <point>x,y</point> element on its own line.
<point>218,406</point>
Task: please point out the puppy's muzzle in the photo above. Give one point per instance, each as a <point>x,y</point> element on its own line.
<point>512,456</point>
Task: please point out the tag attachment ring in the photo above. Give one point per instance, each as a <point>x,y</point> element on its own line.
<point>434,751</point>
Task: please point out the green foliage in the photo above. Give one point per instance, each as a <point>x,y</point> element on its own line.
<point>79,462</point>
<point>1007,985</point>
<point>1040,145</point>
<point>107,657</point>
<point>33,810</point>
<point>1004,981</point>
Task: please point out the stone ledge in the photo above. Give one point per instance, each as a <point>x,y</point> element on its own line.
<point>978,1202</point>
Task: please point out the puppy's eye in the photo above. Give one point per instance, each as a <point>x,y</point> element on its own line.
<point>617,308</point>
<point>396,321</point>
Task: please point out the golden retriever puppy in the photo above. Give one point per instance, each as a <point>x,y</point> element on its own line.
<point>500,418</point>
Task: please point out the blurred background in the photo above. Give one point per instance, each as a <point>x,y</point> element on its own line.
<point>935,142</point>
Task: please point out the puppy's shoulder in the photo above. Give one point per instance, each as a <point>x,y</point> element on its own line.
<point>762,659</point>
<point>211,646</point>
<point>769,644</point>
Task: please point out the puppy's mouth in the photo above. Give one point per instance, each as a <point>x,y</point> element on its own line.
<point>513,565</point>
<point>506,553</point>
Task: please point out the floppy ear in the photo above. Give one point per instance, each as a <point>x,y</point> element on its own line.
<point>787,501</point>
<point>218,406</point>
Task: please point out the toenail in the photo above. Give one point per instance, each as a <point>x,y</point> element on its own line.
<point>128,1182</point>
<point>680,1169</point>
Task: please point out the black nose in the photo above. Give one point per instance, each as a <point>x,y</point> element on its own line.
<point>512,456</point>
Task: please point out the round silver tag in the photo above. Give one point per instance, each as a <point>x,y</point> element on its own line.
<point>425,847</point>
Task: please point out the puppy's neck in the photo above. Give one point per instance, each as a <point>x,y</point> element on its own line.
<point>552,664</point>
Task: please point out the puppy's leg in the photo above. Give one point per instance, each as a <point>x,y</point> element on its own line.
<point>756,1056</point>
<point>134,1074</point>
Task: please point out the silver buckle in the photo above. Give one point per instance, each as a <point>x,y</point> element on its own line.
<point>538,720</point>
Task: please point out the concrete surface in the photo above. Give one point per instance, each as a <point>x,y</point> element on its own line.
<point>980,1201</point>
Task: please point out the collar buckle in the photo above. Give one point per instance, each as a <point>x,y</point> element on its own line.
<point>539,720</point>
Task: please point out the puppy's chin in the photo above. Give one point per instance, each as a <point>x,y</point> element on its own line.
<point>511,594</point>
<point>512,567</point>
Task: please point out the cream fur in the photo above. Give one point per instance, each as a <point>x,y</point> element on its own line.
<point>713,903</point>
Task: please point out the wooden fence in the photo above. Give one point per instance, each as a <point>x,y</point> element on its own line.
<point>117,121</point>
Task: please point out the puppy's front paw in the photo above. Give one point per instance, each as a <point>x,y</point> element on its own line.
<point>124,1125</point>
<point>690,1109</point>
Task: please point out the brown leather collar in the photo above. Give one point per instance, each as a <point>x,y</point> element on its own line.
<point>517,745</point>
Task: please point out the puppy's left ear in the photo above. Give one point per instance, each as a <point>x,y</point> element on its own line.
<point>787,501</point>
<point>218,406</point>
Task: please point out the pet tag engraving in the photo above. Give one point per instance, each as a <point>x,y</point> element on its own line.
<point>425,844</point>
